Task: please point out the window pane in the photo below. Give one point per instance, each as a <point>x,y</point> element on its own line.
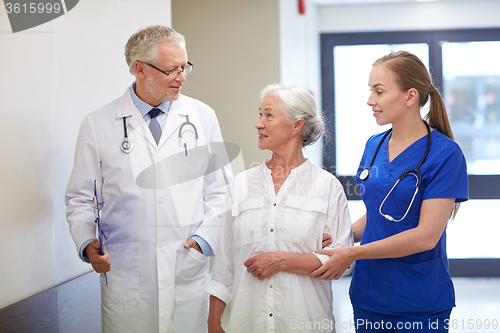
<point>471,79</point>
<point>473,232</point>
<point>466,236</point>
<point>354,123</point>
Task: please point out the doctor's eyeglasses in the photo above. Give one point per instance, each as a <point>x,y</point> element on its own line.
<point>186,70</point>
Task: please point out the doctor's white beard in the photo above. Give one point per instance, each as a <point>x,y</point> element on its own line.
<point>158,92</point>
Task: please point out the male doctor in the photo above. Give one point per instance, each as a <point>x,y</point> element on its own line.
<point>159,189</point>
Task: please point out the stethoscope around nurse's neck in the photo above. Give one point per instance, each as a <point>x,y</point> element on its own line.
<point>365,173</point>
<point>127,146</point>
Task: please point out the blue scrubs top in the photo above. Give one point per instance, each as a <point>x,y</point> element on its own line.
<point>419,283</point>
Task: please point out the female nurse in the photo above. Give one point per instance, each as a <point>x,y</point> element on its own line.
<point>401,282</point>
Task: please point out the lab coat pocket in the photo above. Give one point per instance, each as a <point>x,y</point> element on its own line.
<point>123,278</point>
<point>190,275</point>
<point>304,218</point>
<point>247,217</point>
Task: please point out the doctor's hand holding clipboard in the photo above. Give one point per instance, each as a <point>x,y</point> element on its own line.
<point>100,259</point>
<point>100,262</point>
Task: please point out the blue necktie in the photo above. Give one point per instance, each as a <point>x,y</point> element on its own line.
<point>154,126</point>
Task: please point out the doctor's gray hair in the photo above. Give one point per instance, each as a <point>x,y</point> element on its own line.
<point>298,104</point>
<point>141,46</point>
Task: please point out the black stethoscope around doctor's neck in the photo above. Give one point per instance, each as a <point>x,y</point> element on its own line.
<point>365,173</point>
<point>127,146</point>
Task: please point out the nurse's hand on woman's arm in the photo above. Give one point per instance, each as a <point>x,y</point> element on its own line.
<point>265,265</point>
<point>100,263</point>
<point>340,260</point>
<point>336,266</point>
<point>214,315</point>
<point>434,216</point>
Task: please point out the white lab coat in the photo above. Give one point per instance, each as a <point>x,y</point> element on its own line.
<point>148,211</point>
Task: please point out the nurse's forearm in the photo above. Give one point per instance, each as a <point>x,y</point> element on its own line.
<point>434,216</point>
<point>400,245</point>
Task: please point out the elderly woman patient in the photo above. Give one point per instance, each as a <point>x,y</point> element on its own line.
<point>277,214</point>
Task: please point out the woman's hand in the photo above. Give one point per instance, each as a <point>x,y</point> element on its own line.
<point>339,261</point>
<point>264,265</point>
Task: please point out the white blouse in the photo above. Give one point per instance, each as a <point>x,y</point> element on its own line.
<point>311,202</point>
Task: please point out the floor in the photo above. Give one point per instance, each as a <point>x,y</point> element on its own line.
<point>477,299</point>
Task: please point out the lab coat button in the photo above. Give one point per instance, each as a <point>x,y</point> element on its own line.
<point>161,245</point>
<point>270,315</point>
<point>271,230</point>
<point>161,201</point>
<point>274,204</point>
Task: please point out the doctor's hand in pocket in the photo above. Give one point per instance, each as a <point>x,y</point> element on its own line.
<point>100,262</point>
<point>192,243</point>
<point>338,262</point>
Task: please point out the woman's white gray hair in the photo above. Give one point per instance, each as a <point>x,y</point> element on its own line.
<point>298,103</point>
<point>141,46</point>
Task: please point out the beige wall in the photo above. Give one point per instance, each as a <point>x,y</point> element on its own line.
<point>234,45</point>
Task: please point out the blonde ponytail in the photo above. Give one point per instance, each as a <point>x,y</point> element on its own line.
<point>437,116</point>
<point>438,119</point>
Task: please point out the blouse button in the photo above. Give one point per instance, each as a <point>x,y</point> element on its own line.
<point>270,315</point>
<point>274,204</point>
<point>271,230</point>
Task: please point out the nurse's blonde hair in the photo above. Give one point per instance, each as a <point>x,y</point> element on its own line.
<point>410,72</point>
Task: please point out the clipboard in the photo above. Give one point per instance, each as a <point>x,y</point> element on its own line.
<point>98,222</point>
